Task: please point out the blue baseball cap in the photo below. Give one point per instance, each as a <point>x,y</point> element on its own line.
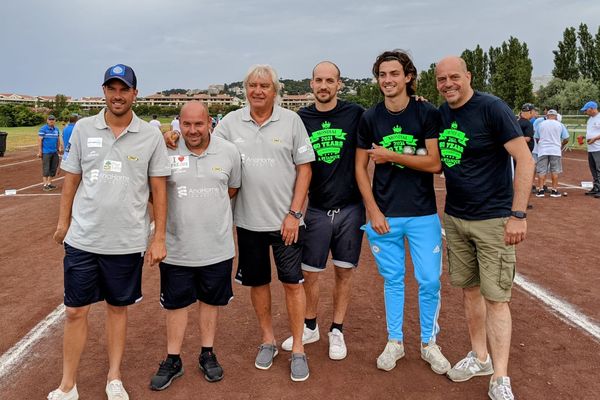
<point>588,105</point>
<point>121,72</point>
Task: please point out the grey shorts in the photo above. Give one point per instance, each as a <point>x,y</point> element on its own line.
<point>49,164</point>
<point>546,164</point>
<point>336,230</point>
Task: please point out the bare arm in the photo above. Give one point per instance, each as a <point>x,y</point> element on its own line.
<point>171,138</point>
<point>516,229</point>
<point>290,224</point>
<point>158,250</point>
<point>69,189</point>
<point>378,221</point>
<point>427,163</point>
<point>39,142</point>
<point>232,192</point>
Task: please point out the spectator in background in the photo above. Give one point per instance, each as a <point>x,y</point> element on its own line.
<point>175,123</point>
<point>155,122</point>
<point>551,135</point>
<point>592,137</point>
<point>49,146</point>
<point>68,130</point>
<point>526,117</point>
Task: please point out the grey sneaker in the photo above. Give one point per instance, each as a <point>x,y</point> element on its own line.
<point>432,353</point>
<point>393,352</point>
<point>265,356</point>
<point>500,389</point>
<point>299,367</point>
<point>308,336</point>
<point>469,367</point>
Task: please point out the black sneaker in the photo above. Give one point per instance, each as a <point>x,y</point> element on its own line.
<point>540,193</point>
<point>207,362</point>
<point>167,372</point>
<point>51,186</point>
<point>555,193</point>
<point>546,189</point>
<point>592,192</point>
<point>46,188</point>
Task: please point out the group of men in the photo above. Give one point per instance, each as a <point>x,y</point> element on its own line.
<point>269,159</point>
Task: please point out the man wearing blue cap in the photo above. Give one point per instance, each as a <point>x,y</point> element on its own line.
<point>592,137</point>
<point>115,159</point>
<point>49,147</point>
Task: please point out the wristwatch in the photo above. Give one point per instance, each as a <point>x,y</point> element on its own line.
<point>518,214</point>
<point>296,214</point>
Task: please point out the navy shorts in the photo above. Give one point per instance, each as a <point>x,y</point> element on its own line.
<point>91,277</point>
<point>181,286</point>
<point>338,230</point>
<point>254,261</point>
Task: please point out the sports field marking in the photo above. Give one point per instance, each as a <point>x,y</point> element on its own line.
<point>20,162</point>
<point>29,194</point>
<point>565,311</point>
<point>13,358</point>
<point>32,186</point>
<point>574,159</point>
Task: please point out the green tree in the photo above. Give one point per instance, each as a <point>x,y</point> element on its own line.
<point>60,103</point>
<point>511,80</point>
<point>548,96</point>
<point>567,96</point>
<point>478,64</point>
<point>585,53</point>
<point>427,87</point>
<point>367,95</point>
<point>596,56</point>
<point>565,58</point>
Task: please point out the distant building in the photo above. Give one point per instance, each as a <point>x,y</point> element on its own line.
<point>296,101</point>
<point>178,100</point>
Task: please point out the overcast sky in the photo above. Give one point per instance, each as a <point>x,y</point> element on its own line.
<point>64,46</point>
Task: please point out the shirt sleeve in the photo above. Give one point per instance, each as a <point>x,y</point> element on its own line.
<point>364,138</point>
<point>432,122</point>
<point>565,133</point>
<point>71,160</point>
<point>302,151</point>
<point>235,177</point>
<point>503,122</point>
<point>159,161</point>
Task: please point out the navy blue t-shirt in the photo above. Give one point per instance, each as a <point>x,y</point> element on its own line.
<point>527,130</point>
<point>333,137</point>
<point>476,165</point>
<point>400,191</point>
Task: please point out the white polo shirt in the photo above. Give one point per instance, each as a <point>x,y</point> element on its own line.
<point>550,134</point>
<point>593,130</point>
<point>110,209</point>
<point>199,217</point>
<point>269,154</point>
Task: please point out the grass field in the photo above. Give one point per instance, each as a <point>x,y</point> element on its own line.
<point>21,137</point>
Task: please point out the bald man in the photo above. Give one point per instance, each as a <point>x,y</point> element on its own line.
<point>484,216</point>
<point>205,174</point>
<point>335,211</point>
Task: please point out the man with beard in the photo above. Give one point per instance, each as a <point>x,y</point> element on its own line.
<point>335,211</point>
<point>483,218</point>
<point>115,158</point>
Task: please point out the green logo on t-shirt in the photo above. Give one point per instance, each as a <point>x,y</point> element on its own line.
<point>452,145</point>
<point>397,141</point>
<point>328,143</point>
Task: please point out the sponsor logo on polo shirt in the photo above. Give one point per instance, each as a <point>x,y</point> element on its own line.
<point>276,140</point>
<point>94,175</point>
<point>239,140</point>
<point>132,158</point>
<point>93,154</point>
<point>179,162</point>
<point>258,161</point>
<point>203,192</point>
<point>94,142</point>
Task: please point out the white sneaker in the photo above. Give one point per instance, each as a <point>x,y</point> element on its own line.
<point>469,367</point>
<point>308,336</point>
<point>116,391</point>
<point>500,389</point>
<point>432,353</point>
<point>60,395</point>
<point>393,352</point>
<point>337,346</point>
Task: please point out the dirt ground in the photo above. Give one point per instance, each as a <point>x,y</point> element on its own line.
<point>549,358</point>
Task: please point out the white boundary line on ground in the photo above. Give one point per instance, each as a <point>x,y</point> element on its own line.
<point>19,162</point>
<point>29,194</point>
<point>32,186</point>
<point>17,353</point>
<point>574,159</point>
<point>565,311</point>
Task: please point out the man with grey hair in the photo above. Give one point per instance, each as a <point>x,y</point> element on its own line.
<point>276,172</point>
<point>592,138</point>
<point>550,136</point>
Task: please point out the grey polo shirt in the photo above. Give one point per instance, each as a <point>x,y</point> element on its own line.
<point>110,209</point>
<point>199,219</point>
<point>269,154</point>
